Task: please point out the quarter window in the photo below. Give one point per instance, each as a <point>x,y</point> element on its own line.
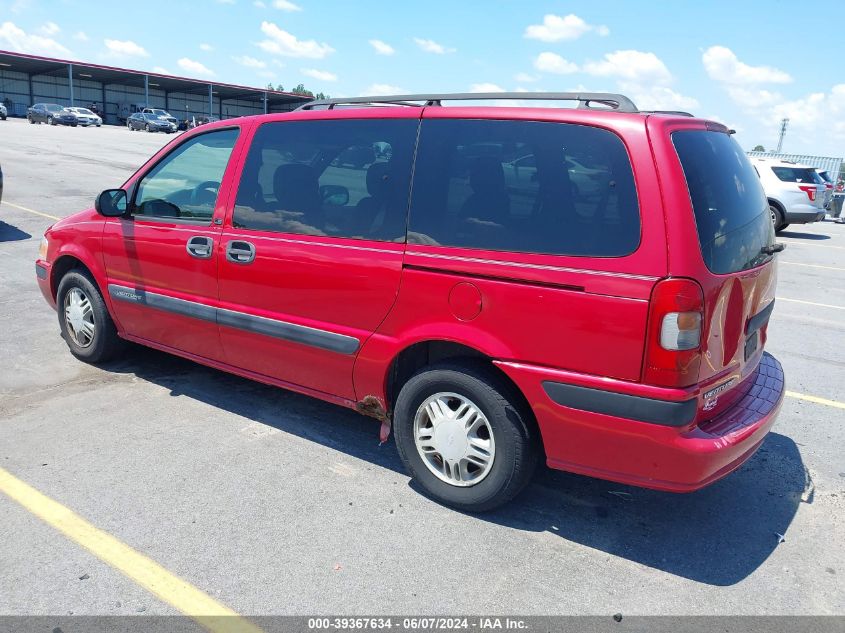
<point>185,183</point>
<point>346,178</point>
<point>524,186</point>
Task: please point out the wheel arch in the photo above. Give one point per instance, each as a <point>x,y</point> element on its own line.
<point>777,204</point>
<point>415,356</point>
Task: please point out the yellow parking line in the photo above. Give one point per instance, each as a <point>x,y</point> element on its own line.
<point>812,303</point>
<point>43,215</point>
<point>812,265</point>
<point>144,571</point>
<point>816,399</point>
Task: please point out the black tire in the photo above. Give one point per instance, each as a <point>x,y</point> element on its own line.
<point>50,120</point>
<point>31,121</point>
<point>782,227</point>
<point>777,218</point>
<point>147,127</point>
<point>516,445</point>
<point>106,344</point>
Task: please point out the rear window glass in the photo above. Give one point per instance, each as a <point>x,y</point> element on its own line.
<point>524,186</point>
<point>797,174</point>
<point>731,211</point>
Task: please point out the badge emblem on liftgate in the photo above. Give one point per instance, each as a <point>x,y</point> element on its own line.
<point>712,397</point>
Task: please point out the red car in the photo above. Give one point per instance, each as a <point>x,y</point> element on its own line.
<point>588,286</point>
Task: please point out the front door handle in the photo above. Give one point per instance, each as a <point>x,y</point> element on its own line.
<point>240,252</point>
<point>200,246</point>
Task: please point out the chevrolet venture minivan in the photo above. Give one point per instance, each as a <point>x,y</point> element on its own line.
<point>586,286</point>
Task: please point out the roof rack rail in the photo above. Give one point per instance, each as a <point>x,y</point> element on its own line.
<point>675,112</point>
<point>608,100</point>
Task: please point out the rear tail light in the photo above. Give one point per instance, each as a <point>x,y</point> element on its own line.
<point>673,349</point>
<point>810,190</point>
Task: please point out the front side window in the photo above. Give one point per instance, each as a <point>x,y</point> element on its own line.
<point>339,178</point>
<point>524,186</point>
<point>185,183</point>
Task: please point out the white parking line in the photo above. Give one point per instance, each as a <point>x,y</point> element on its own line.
<point>812,266</point>
<point>812,303</point>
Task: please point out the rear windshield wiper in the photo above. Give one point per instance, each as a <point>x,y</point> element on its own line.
<point>771,249</point>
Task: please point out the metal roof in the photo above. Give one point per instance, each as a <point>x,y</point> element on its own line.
<point>36,65</point>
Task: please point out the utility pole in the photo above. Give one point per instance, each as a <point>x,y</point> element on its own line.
<point>783,124</point>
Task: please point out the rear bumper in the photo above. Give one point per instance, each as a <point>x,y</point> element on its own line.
<point>803,214</point>
<point>605,438</point>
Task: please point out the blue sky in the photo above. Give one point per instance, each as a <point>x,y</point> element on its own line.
<point>748,64</point>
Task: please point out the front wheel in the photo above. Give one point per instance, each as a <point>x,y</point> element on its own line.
<point>147,128</point>
<point>85,322</point>
<point>463,436</point>
<point>50,120</point>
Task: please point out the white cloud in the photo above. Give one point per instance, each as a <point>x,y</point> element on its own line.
<point>16,39</point>
<point>125,48</point>
<point>267,74</point>
<point>206,47</point>
<point>526,78</point>
<point>49,28</point>
<point>194,67</point>
<point>653,97</point>
<point>161,70</point>
<point>631,65</point>
<point>430,46</point>
<point>286,5</point>
<point>283,43</point>
<point>259,4</point>
<point>377,90</point>
<point>322,75</point>
<point>556,28</point>
<point>486,87</point>
<point>553,63</point>
<point>753,97</point>
<point>723,65</point>
<point>82,36</point>
<point>249,62</point>
<point>382,48</point>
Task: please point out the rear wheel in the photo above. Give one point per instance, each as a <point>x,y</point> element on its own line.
<point>31,121</point>
<point>86,324</point>
<point>50,120</point>
<point>463,436</point>
<point>147,127</point>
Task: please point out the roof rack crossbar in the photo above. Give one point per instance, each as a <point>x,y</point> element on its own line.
<point>615,102</point>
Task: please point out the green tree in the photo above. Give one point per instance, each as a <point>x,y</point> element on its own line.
<point>758,148</point>
<point>301,90</point>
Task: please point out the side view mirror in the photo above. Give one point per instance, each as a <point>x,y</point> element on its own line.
<point>111,203</point>
<point>334,195</point>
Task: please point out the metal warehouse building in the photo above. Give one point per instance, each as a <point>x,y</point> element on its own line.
<point>28,79</point>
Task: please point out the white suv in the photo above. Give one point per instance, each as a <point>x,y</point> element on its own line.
<point>796,192</point>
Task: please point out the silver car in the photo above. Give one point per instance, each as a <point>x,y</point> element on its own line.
<point>796,192</point>
<point>3,112</point>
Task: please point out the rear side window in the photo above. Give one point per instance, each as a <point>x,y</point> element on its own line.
<point>797,174</point>
<point>346,178</point>
<point>524,186</point>
<point>731,211</point>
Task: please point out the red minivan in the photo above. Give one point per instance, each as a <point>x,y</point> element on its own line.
<point>589,286</point>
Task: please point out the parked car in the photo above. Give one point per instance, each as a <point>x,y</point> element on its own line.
<point>126,109</point>
<point>1,184</point>
<point>828,187</point>
<point>3,112</point>
<point>85,117</point>
<point>51,113</point>
<point>489,324</point>
<point>795,192</point>
<point>149,122</point>
<point>164,114</point>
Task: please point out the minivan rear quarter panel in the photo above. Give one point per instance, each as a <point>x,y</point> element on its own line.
<point>583,314</point>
